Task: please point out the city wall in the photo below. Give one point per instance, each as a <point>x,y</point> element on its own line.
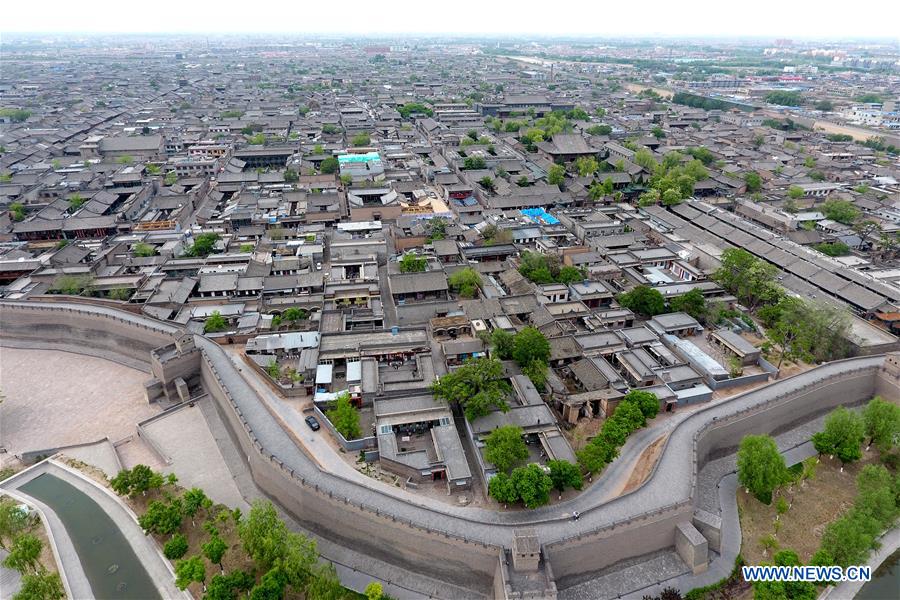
<point>386,527</point>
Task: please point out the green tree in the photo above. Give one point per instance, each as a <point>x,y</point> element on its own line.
<point>17,210</point>
<point>473,163</point>
<point>465,282</point>
<point>144,250</point>
<point>825,106</point>
<point>842,211</point>
<point>13,521</point>
<point>24,554</point>
<point>189,570</point>
<point>194,500</point>
<point>569,274</point>
<point>693,303</point>
<point>176,547</point>
<point>643,300</point>
<point>412,263</point>
<point>564,475</point>
<point>536,371</point>
<point>795,192</point>
<point>586,165</point>
<point>291,176</point>
<point>760,466</point>
<point>599,130</point>
<point>849,538</point>
<point>556,175</point>
<point>163,518</point>
<point>843,435</point>
<point>658,132</point>
<point>374,591</point>
<point>171,178</point>
<point>522,181</point>
<point>532,484</point>
<point>345,417</point>
<point>361,139</point>
<point>263,534</point>
<point>294,314</point>
<point>203,244</point>
<point>877,496</point>
<point>644,158</point>
<point>248,247</point>
<point>752,280</point>
<point>227,587</point>
<point>597,454</point>
<point>270,587</point>
<point>647,402</point>
<point>478,386</point>
<point>502,342</point>
<point>753,181</point>
<point>328,166</point>
<point>502,489</point>
<point>784,98</point>
<point>505,447</point>
<point>882,422</point>
<point>214,323</point>
<point>487,183</point>
<point>214,550</point>
<point>40,586</point>
<point>73,285</point>
<point>530,345</point>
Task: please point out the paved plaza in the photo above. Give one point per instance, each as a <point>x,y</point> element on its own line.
<point>55,399</point>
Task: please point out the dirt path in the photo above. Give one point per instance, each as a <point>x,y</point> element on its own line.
<point>643,467</point>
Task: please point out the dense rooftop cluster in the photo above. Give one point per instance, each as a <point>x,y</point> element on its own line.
<point>531,237</point>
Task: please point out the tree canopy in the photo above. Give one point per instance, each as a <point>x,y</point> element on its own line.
<point>760,466</point>
<point>345,417</point>
<point>882,423</point>
<point>479,386</point>
<point>643,300</point>
<point>843,435</point>
<point>412,263</point>
<point>505,447</point>
<point>465,282</point>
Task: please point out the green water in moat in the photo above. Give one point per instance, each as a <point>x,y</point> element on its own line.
<point>111,566</point>
<point>885,584</point>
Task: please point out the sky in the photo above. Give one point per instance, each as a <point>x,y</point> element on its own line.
<point>823,19</point>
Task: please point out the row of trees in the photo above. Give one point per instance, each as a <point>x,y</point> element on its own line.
<point>800,329</point>
<point>505,448</point>
<point>24,549</point>
<point>671,180</point>
<point>761,468</point>
<point>648,301</point>
<point>531,484</point>
<point>632,413</point>
<point>283,562</point>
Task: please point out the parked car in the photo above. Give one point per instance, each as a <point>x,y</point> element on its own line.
<point>313,423</point>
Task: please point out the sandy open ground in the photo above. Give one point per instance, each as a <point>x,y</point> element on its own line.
<point>54,399</point>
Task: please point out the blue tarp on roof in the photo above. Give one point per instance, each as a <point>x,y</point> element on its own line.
<point>539,215</point>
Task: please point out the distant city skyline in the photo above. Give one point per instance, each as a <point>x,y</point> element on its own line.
<point>651,18</point>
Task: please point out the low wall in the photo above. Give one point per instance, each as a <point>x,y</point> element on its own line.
<point>349,445</point>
